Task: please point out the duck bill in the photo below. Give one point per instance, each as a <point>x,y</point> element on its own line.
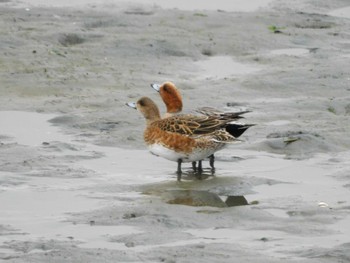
<point>155,87</point>
<point>131,105</point>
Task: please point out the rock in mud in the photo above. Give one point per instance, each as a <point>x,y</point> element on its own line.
<point>236,200</point>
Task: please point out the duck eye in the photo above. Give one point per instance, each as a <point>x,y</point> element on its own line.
<point>142,103</point>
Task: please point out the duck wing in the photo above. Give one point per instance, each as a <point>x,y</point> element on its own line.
<point>190,124</point>
<point>232,115</point>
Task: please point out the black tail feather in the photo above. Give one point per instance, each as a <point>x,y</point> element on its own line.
<point>237,130</point>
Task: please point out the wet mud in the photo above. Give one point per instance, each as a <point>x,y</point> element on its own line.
<point>78,185</point>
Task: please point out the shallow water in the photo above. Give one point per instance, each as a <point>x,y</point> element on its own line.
<point>29,128</point>
<point>292,168</point>
<point>341,12</point>
<point>220,67</point>
<point>40,207</point>
<point>291,52</point>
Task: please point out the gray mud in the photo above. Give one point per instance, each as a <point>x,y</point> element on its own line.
<point>78,185</point>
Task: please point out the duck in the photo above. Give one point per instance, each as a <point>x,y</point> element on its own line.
<point>172,99</point>
<point>182,138</point>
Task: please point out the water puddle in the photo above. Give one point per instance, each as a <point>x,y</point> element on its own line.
<point>295,52</point>
<point>39,206</point>
<point>200,198</point>
<point>29,128</point>
<point>23,204</point>
<point>43,214</point>
<point>220,67</point>
<point>34,130</point>
<point>341,12</point>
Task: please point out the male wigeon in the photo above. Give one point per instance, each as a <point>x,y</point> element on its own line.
<point>172,99</point>
<point>182,138</point>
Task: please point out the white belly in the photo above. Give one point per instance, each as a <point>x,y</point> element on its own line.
<point>195,155</point>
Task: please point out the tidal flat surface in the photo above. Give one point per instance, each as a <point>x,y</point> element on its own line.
<point>78,185</point>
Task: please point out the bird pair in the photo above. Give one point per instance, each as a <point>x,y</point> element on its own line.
<point>186,137</point>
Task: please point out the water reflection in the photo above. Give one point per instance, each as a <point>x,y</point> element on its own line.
<point>190,174</point>
<point>201,198</point>
<point>212,191</point>
<point>236,200</point>
<point>198,198</point>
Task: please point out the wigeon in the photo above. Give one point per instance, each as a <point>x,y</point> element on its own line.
<point>172,99</point>
<point>182,138</point>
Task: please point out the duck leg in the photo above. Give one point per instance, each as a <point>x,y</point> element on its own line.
<point>200,169</point>
<point>194,166</point>
<point>211,162</point>
<point>179,172</point>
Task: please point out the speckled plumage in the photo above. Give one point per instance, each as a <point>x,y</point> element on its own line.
<point>173,100</point>
<point>182,138</point>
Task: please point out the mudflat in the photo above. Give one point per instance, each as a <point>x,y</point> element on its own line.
<point>76,181</point>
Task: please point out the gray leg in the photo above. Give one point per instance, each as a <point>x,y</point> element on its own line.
<point>200,169</point>
<point>211,162</point>
<point>179,172</point>
<point>194,166</point>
